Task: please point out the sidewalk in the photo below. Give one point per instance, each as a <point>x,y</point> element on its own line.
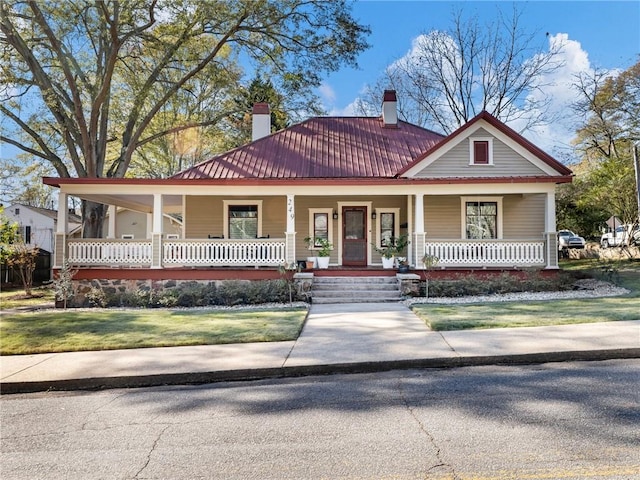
<point>345,338</point>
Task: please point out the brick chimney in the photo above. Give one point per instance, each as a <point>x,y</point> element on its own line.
<point>261,122</point>
<point>390,109</point>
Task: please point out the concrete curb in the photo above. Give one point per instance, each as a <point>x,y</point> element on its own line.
<point>200,378</point>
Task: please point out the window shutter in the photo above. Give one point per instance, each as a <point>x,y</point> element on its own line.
<point>481,152</point>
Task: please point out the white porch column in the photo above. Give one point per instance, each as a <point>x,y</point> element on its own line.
<point>111,229</point>
<point>550,233</point>
<point>419,233</point>
<point>150,224</point>
<point>156,232</point>
<point>62,226</point>
<point>410,228</point>
<point>290,234</point>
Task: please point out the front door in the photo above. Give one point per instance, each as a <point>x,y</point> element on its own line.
<point>354,236</point>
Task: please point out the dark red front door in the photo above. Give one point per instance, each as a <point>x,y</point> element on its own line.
<point>354,236</point>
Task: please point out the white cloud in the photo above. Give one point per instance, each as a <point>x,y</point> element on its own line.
<point>557,88</point>
<point>327,93</point>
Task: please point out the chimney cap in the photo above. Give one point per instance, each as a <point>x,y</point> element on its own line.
<point>389,96</point>
<point>261,108</point>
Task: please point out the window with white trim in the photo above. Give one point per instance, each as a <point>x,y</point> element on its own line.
<point>482,218</point>
<point>388,225</point>
<point>480,151</point>
<point>320,225</point>
<point>243,219</point>
<point>25,234</point>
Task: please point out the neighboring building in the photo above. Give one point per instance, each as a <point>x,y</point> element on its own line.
<point>482,197</point>
<point>37,227</point>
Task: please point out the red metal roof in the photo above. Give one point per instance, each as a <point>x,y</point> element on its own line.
<point>323,147</point>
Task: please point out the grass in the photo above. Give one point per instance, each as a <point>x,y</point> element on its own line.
<point>443,317</point>
<point>15,298</point>
<point>76,330</point>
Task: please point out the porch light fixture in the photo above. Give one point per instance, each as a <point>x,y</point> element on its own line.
<point>335,215</point>
<point>373,215</point>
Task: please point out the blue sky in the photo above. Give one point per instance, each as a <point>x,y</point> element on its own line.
<point>602,34</point>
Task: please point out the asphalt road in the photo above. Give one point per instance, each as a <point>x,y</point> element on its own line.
<point>555,421</point>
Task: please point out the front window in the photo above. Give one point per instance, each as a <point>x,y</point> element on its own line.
<point>387,228</point>
<point>243,221</point>
<point>481,220</point>
<point>320,225</point>
<point>320,228</point>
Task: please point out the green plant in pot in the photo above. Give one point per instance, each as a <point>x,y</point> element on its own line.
<point>323,248</point>
<point>395,246</point>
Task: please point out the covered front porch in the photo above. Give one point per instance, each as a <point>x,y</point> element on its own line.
<point>431,216</point>
<point>116,253</point>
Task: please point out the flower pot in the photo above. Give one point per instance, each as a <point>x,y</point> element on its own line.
<point>403,269</point>
<point>322,262</point>
<point>311,262</point>
<point>388,262</point>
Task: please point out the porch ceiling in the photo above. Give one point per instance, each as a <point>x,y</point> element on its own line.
<point>139,203</point>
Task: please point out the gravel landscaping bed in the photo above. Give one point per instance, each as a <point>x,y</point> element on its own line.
<point>587,288</point>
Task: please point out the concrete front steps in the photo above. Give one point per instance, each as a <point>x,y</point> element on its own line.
<point>376,289</point>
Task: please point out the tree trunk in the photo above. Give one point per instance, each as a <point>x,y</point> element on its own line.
<point>92,219</point>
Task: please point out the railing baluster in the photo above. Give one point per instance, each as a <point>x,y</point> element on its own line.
<point>484,252</point>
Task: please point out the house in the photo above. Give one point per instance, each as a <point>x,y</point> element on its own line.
<point>482,197</point>
<point>37,227</point>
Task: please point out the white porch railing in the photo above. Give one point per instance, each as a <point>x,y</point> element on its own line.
<point>487,252</point>
<point>259,252</point>
<point>92,251</point>
<point>193,253</point>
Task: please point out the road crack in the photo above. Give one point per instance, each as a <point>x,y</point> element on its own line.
<point>153,448</point>
<point>440,462</point>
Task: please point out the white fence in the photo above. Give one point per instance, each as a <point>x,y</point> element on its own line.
<point>487,252</point>
<point>193,253</point>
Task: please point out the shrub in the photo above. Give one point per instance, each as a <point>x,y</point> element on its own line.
<point>194,294</point>
<point>470,285</point>
<point>97,297</point>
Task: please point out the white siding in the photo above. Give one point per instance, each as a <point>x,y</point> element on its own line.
<point>42,227</point>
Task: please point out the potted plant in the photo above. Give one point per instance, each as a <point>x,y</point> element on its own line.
<point>388,254</point>
<point>323,248</point>
<point>311,261</point>
<point>395,246</point>
<point>403,265</point>
<point>324,252</point>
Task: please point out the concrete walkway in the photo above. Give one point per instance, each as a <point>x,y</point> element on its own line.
<point>335,339</point>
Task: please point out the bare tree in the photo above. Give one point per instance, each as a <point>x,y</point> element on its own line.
<point>451,76</point>
<point>81,82</point>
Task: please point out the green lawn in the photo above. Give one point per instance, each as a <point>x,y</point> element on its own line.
<point>75,330</point>
<point>552,312</point>
<point>14,298</point>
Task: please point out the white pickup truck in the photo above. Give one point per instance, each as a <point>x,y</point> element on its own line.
<point>619,236</point>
